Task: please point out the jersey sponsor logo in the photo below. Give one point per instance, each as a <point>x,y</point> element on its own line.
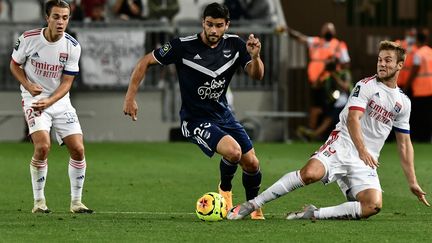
<point>379,113</point>
<point>397,107</point>
<point>356,91</point>
<point>63,58</point>
<point>17,44</point>
<point>197,57</point>
<point>165,49</point>
<point>46,70</point>
<point>212,90</point>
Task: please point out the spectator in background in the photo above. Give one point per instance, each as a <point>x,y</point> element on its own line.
<point>338,87</point>
<point>420,84</point>
<point>250,9</point>
<point>128,9</point>
<point>77,13</point>
<point>410,45</point>
<point>94,10</point>
<point>322,51</point>
<point>164,10</point>
<point>5,10</point>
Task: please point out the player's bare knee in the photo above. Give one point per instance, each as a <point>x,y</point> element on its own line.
<point>370,208</point>
<point>309,176</point>
<point>42,149</point>
<point>77,152</point>
<point>251,165</point>
<point>234,154</point>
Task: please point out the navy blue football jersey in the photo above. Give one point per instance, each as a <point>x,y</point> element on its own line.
<point>204,74</point>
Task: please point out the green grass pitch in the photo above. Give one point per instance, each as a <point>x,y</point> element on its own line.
<point>146,192</point>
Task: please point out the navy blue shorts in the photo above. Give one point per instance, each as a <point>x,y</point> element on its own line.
<point>207,135</point>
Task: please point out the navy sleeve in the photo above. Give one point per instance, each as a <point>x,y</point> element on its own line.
<point>169,53</point>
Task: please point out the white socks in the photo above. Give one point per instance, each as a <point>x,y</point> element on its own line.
<point>38,172</point>
<point>348,210</point>
<point>76,171</point>
<point>289,182</point>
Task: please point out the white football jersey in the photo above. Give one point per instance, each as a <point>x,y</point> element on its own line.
<point>384,108</point>
<point>44,62</point>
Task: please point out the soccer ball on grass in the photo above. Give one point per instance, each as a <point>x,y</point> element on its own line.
<point>211,207</point>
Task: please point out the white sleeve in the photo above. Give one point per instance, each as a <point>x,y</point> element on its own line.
<point>401,122</point>
<point>19,54</point>
<point>360,96</point>
<point>71,66</point>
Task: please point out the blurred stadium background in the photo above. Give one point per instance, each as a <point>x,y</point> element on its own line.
<point>270,109</point>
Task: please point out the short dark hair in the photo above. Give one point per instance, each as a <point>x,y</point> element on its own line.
<point>55,3</point>
<point>217,11</point>
<point>393,46</point>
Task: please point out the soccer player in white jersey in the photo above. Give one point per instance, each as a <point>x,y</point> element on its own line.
<point>45,62</point>
<point>350,155</point>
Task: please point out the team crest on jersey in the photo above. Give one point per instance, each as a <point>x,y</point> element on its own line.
<point>17,44</point>
<point>226,53</point>
<point>165,49</point>
<point>63,58</point>
<point>398,107</point>
<point>356,91</point>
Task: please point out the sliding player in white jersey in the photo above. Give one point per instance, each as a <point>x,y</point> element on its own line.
<point>45,62</point>
<point>350,155</point>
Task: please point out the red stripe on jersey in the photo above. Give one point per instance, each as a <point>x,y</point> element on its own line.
<point>19,64</point>
<point>35,34</point>
<point>356,108</point>
<point>366,80</point>
<point>32,32</point>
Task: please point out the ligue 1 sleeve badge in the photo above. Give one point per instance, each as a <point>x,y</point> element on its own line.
<point>63,58</point>
<point>17,44</point>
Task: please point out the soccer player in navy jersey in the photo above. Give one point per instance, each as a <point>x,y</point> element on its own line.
<point>205,64</point>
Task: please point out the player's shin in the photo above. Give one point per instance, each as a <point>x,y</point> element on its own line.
<point>76,171</point>
<point>348,210</point>
<point>251,183</point>
<point>38,172</point>
<point>289,182</point>
<point>227,171</point>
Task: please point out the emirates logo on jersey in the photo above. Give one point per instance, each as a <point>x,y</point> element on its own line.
<point>63,58</point>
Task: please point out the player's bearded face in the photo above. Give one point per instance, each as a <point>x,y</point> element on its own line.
<point>387,65</point>
<point>214,29</point>
<point>58,20</point>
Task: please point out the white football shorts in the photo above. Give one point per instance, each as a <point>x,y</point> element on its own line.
<point>344,166</point>
<point>61,116</point>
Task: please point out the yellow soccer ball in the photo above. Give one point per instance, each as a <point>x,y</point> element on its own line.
<point>211,207</point>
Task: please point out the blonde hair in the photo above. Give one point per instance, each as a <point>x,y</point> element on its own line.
<point>393,46</point>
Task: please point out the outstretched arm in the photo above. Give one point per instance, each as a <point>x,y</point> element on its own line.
<point>130,106</point>
<point>255,68</point>
<point>406,153</point>
<point>297,35</point>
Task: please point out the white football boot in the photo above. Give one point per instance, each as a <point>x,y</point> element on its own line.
<point>40,207</point>
<point>306,213</point>
<point>79,207</point>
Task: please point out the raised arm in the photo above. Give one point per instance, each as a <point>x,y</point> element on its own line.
<point>297,35</point>
<point>255,68</point>
<point>354,129</point>
<point>130,106</point>
<point>406,154</point>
